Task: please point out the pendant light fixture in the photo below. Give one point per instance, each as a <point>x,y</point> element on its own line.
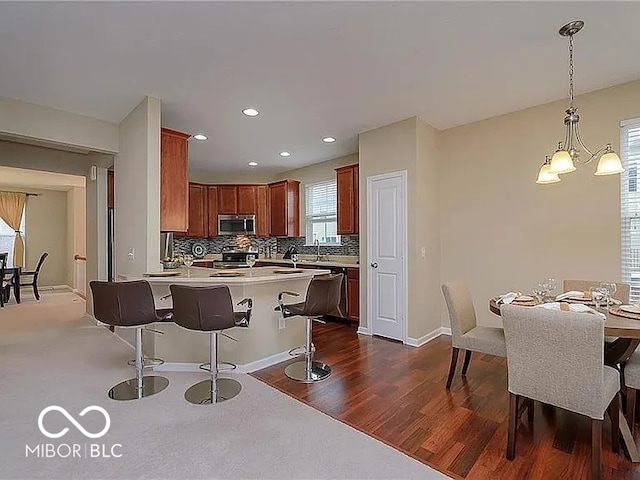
<point>568,153</point>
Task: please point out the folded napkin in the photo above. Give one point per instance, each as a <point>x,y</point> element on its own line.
<point>578,293</point>
<point>572,293</point>
<point>571,307</point>
<point>507,298</point>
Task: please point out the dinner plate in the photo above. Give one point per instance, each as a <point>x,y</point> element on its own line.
<point>524,298</point>
<point>630,309</point>
<point>162,274</point>
<point>288,270</point>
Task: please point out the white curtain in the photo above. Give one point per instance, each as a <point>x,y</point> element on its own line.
<point>11,209</point>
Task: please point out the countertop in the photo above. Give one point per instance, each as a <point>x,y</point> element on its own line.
<point>343,262</point>
<point>201,276</point>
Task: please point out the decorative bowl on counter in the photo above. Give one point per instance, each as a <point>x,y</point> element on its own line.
<point>170,264</point>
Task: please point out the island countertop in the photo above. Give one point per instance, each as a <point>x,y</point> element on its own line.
<point>209,276</point>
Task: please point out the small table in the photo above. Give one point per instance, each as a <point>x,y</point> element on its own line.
<point>628,332</point>
<point>15,271</point>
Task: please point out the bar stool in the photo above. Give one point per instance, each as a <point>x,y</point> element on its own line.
<point>130,305</point>
<point>210,309</point>
<point>323,298</point>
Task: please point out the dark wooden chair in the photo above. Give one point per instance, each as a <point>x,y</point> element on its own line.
<point>4,285</point>
<point>34,274</point>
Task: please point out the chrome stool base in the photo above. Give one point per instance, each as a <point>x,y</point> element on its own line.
<point>298,371</point>
<point>128,390</point>
<point>201,394</point>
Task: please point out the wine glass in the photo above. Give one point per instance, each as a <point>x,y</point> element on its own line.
<point>597,295</point>
<point>539,291</point>
<point>613,288</point>
<point>188,261</point>
<point>294,259</point>
<point>551,283</point>
<point>251,261</point>
<point>606,289</point>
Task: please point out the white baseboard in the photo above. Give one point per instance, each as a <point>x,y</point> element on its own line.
<point>47,288</point>
<point>364,331</point>
<point>244,368</point>
<point>418,342</point>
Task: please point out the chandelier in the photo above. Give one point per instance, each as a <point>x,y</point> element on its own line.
<point>568,152</point>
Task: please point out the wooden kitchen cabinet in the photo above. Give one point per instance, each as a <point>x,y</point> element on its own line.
<point>263,211</point>
<point>347,179</point>
<point>285,208</point>
<point>247,201</point>
<point>198,216</point>
<point>174,183</point>
<point>227,199</point>
<point>353,295</point>
<point>212,210</point>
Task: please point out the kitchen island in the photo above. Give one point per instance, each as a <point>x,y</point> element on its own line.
<point>266,341</point>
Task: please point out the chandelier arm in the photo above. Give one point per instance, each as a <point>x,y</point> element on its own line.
<point>584,147</point>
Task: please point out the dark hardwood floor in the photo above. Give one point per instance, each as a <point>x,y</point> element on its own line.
<point>396,394</point>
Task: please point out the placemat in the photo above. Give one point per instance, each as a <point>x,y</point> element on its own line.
<point>618,312</point>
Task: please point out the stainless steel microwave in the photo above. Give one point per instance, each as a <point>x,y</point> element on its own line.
<point>236,224</point>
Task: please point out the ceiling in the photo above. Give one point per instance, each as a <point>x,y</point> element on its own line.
<point>311,68</point>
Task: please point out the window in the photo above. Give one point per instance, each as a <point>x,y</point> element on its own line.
<point>7,236</point>
<point>322,213</point>
<point>630,206</point>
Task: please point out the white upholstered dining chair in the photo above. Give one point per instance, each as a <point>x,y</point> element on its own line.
<point>631,374</point>
<point>465,333</point>
<point>622,289</point>
<point>557,358</point>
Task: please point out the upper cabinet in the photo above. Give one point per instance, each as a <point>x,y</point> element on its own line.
<point>174,183</point>
<point>263,211</point>
<point>347,179</point>
<point>247,200</point>
<point>285,210</point>
<point>198,206</point>
<point>227,199</point>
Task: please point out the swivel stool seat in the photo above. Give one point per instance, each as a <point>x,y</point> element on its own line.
<point>323,298</point>
<point>131,305</point>
<point>210,309</point>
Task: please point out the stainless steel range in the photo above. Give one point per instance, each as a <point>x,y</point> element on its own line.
<point>234,258</point>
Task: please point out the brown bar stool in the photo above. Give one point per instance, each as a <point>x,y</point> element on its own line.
<point>209,309</point>
<point>323,298</point>
<point>130,305</point>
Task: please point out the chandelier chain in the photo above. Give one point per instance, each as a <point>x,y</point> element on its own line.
<point>571,71</point>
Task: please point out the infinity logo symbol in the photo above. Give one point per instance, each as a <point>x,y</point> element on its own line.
<point>74,421</point>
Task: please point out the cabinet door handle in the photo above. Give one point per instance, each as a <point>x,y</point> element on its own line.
<point>374,264</point>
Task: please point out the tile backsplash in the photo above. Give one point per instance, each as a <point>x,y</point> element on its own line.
<point>350,244</point>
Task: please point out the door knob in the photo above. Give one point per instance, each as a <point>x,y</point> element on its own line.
<point>374,264</point>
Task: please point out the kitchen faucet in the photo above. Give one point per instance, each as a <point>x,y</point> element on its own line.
<point>317,244</point>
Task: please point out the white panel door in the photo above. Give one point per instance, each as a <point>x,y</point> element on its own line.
<point>387,248</point>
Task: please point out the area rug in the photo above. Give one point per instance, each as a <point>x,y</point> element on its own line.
<point>56,373</point>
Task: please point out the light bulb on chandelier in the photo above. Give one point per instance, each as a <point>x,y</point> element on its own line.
<point>567,153</point>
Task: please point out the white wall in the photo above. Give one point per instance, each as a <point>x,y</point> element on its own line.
<point>137,190</point>
<point>406,145</point>
<point>47,125</point>
<point>499,230</point>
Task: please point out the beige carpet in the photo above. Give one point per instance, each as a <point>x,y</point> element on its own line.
<point>53,308</point>
<point>261,434</point>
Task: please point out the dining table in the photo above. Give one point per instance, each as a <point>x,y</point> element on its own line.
<point>14,273</point>
<point>627,333</point>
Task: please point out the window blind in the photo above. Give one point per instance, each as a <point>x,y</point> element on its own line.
<point>630,206</point>
<point>322,212</point>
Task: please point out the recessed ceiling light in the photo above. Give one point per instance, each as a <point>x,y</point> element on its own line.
<point>328,139</point>
<point>253,164</point>
<point>200,136</point>
<point>285,154</point>
<point>250,112</point>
